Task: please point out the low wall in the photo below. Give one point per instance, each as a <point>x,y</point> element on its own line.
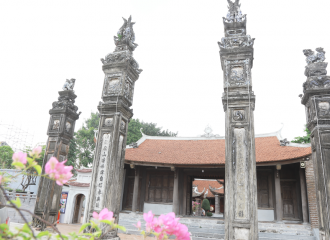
<point>157,209</point>
<point>265,215</point>
<point>28,202</point>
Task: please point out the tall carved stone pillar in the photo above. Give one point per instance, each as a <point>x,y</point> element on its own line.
<point>217,204</point>
<point>61,125</point>
<point>316,99</point>
<point>236,53</point>
<point>121,71</point>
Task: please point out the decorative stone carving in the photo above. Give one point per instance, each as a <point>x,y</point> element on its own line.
<point>284,142</point>
<point>317,82</point>
<point>65,101</point>
<point>324,109</point>
<point>208,133</point>
<point>239,115</point>
<point>234,14</point>
<point>108,122</point>
<point>125,35</point>
<point>67,127</point>
<point>118,57</point>
<point>56,125</point>
<point>122,125</point>
<point>69,84</point>
<point>237,72</point>
<point>128,89</point>
<point>235,42</point>
<point>311,57</point>
<point>134,145</point>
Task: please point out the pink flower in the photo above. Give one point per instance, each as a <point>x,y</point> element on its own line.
<point>138,225</point>
<point>35,152</point>
<point>148,217</point>
<point>20,157</point>
<point>58,171</point>
<point>105,214</point>
<point>1,179</point>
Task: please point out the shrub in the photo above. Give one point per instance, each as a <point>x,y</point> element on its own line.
<point>209,214</point>
<point>206,205</point>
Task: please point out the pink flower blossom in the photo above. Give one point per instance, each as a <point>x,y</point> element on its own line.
<point>138,225</point>
<point>58,171</point>
<point>149,218</point>
<point>2,180</point>
<point>35,152</point>
<point>105,214</point>
<point>20,157</point>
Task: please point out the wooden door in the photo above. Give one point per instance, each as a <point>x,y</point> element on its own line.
<point>289,199</point>
<point>160,188</point>
<point>129,196</point>
<point>262,186</point>
<point>76,209</point>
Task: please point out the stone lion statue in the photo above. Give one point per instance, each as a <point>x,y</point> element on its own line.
<point>69,84</point>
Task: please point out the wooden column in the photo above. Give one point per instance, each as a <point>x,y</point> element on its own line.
<point>136,189</point>
<point>303,195</point>
<point>278,197</point>
<point>176,204</point>
<point>217,204</point>
<point>143,172</point>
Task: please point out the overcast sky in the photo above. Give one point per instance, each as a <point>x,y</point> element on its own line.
<point>42,43</point>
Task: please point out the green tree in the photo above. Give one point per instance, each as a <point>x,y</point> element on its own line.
<point>6,153</point>
<point>82,145</point>
<point>151,129</point>
<point>206,205</point>
<point>304,139</point>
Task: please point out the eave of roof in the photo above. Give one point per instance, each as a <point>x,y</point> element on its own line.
<point>205,151</point>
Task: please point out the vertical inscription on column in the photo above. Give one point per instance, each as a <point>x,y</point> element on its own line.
<point>100,183</point>
<point>241,205</point>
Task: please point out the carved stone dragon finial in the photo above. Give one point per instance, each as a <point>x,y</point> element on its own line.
<point>234,13</point>
<point>69,84</point>
<point>284,142</point>
<point>126,35</point>
<point>311,57</point>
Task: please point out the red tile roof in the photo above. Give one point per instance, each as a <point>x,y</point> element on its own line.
<point>208,152</point>
<point>201,184</point>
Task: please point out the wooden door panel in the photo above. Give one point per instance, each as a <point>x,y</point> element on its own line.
<point>263,191</point>
<point>289,199</point>
<point>129,198</point>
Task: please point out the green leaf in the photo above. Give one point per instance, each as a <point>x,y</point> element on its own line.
<point>18,164</point>
<point>84,226</point>
<point>41,234</point>
<point>17,202</point>
<point>107,222</point>
<point>30,160</point>
<point>38,168</point>
<point>120,227</point>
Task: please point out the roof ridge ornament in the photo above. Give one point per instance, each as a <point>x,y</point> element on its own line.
<point>208,133</point>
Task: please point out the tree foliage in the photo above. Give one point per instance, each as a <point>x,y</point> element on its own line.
<point>6,153</point>
<point>206,205</point>
<point>151,129</point>
<point>304,139</point>
<point>81,152</point>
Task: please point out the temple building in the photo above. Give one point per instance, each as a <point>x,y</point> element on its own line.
<point>156,166</point>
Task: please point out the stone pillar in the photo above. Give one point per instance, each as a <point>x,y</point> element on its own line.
<point>304,203</point>
<point>136,189</point>
<point>311,194</point>
<point>199,207</point>
<point>61,125</point>
<point>176,199</point>
<point>217,204</point>
<point>316,99</point>
<point>121,72</point>
<point>236,53</point>
<point>278,197</point>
